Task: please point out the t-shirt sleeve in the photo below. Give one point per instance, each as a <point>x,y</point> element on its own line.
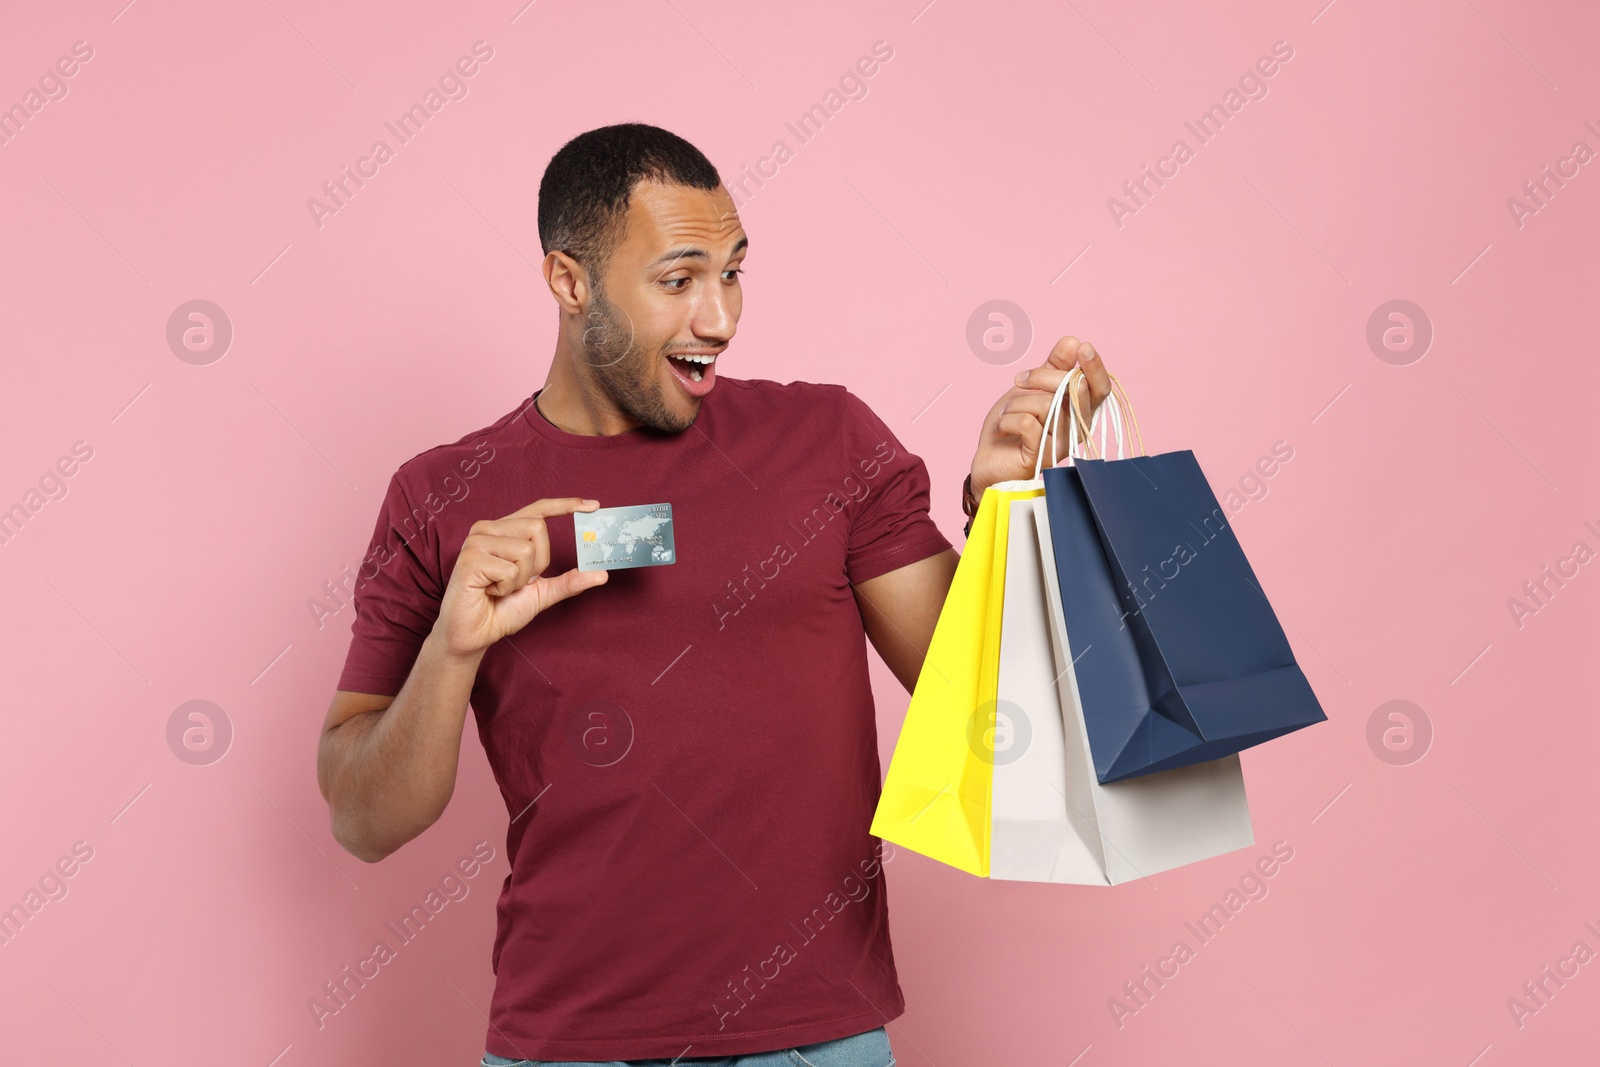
<point>890,526</point>
<point>397,597</point>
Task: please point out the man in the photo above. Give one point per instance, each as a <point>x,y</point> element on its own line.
<point>687,751</point>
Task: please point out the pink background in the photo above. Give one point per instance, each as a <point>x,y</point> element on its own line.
<point>1234,306</point>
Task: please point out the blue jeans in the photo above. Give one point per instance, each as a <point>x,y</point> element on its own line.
<point>870,1049</point>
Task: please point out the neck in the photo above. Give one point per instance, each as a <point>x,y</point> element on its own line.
<point>570,403</point>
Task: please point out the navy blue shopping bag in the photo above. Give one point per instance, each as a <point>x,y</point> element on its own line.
<point>1178,655</point>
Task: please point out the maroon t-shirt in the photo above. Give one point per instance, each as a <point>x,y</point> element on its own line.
<point>688,753</point>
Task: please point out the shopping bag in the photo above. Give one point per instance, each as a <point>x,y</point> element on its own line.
<point>1142,548</point>
<point>935,796</point>
<point>937,791</point>
<point>1052,821</point>
<point>992,771</point>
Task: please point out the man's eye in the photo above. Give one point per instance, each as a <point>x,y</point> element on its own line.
<point>677,284</point>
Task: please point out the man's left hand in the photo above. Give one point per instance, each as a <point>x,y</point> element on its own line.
<point>1013,430</point>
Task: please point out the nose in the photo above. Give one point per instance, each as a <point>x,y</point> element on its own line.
<point>716,314</point>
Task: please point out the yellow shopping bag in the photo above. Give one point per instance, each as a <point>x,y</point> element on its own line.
<point>936,795</point>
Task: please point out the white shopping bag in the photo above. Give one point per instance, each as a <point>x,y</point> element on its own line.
<point>1051,819</point>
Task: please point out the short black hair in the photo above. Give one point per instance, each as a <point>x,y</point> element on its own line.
<point>584,194</point>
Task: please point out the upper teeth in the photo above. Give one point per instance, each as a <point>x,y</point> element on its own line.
<point>699,359</point>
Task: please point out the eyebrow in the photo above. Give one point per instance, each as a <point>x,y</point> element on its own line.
<point>691,252</point>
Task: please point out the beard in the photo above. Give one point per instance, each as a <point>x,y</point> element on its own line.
<point>625,370</point>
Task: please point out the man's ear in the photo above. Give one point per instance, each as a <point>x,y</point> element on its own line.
<point>568,281</point>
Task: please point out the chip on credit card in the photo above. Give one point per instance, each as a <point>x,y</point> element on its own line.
<point>635,535</point>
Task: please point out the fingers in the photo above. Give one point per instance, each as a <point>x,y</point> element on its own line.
<point>1036,402</point>
<point>1033,408</point>
<point>508,553</point>
<point>509,561</point>
<point>528,522</point>
<point>1022,410</point>
<point>1096,383</point>
<point>556,505</point>
<point>1046,378</point>
<point>1026,425</point>
<point>1064,356</point>
<point>1029,426</point>
<point>570,584</point>
<point>515,611</point>
<point>496,576</point>
<point>1069,352</point>
<point>1030,405</point>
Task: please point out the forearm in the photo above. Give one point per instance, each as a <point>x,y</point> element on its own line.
<point>392,772</point>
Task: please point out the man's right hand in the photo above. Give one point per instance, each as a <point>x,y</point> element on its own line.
<point>495,590</point>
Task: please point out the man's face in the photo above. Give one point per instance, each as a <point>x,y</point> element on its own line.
<point>671,289</point>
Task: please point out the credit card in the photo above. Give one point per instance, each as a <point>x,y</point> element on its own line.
<point>636,535</point>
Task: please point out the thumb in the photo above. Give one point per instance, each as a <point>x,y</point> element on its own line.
<point>516,610</point>
<point>570,584</point>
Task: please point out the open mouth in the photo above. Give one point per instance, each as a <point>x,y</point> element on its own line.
<point>696,372</point>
